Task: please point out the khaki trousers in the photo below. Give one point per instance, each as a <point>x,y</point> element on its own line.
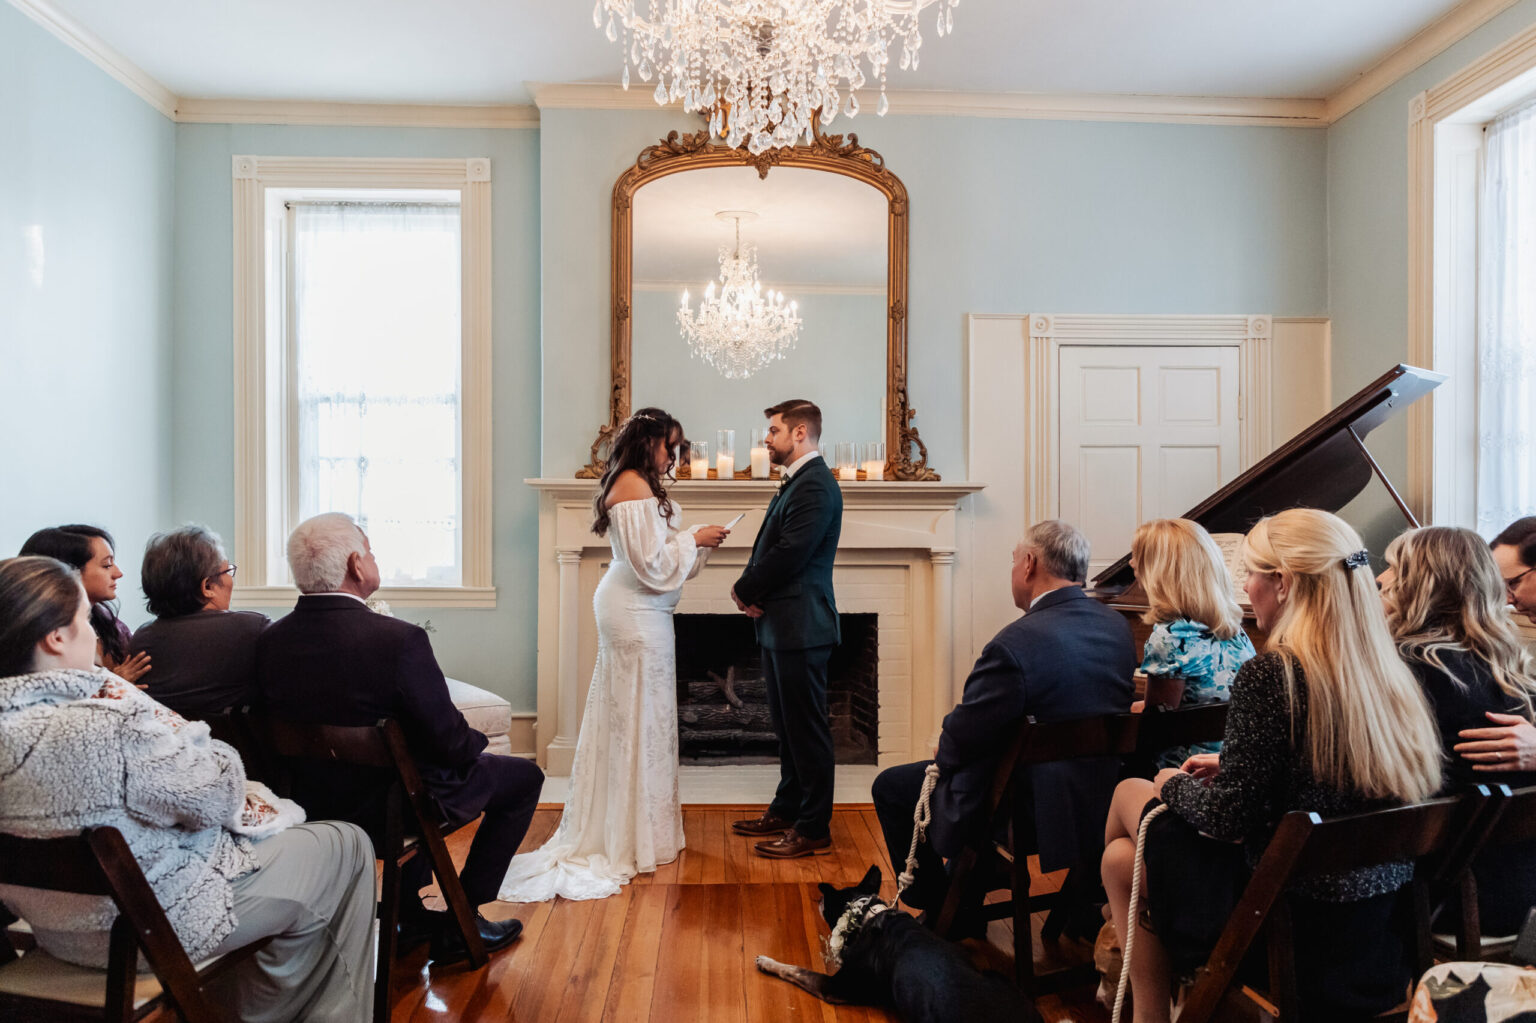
<point>313,891</point>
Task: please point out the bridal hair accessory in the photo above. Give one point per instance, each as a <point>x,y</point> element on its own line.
<point>641,415</point>
<point>1359,559</point>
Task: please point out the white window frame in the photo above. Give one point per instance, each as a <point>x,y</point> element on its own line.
<point>1444,164</point>
<point>259,490</point>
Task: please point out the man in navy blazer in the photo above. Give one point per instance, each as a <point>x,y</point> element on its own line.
<point>334,661</point>
<point>787,589</point>
<point>1068,657</point>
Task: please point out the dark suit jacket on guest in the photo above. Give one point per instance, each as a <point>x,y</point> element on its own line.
<point>1069,657</point>
<point>202,663</point>
<point>789,574</point>
<point>333,661</point>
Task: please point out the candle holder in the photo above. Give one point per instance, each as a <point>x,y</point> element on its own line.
<point>760,461</point>
<point>847,460</point>
<point>698,460</point>
<point>725,454</point>
<point>874,460</point>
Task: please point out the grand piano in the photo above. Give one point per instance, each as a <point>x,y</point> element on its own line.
<point>1325,466</point>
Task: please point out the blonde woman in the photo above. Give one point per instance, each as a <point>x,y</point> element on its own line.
<point>1327,719</point>
<point>1197,625</point>
<point>1444,598</point>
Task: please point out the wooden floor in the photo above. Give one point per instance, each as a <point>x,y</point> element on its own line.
<point>676,946</point>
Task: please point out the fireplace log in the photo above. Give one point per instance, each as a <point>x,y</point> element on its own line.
<point>746,690</point>
<point>705,716</point>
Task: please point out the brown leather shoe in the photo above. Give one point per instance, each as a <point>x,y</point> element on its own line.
<point>767,824</point>
<point>792,845</point>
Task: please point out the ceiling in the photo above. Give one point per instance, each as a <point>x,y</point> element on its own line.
<point>811,226</point>
<point>484,52</point>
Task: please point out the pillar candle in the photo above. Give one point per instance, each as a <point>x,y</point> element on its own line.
<point>759,463</point>
<point>725,465</point>
<point>874,470</point>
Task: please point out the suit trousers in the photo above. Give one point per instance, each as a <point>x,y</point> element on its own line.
<point>312,891</point>
<point>515,784</point>
<point>797,703</point>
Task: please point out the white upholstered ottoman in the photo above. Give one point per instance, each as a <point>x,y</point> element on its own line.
<point>486,712</point>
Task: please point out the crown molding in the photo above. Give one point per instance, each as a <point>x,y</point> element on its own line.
<point>1429,43</point>
<point>1289,113</point>
<point>80,39</point>
<point>362,115</point>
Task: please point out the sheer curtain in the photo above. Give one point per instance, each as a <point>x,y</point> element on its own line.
<point>376,312</point>
<point>1506,327</point>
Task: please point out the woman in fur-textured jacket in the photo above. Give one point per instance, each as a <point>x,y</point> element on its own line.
<point>80,747</point>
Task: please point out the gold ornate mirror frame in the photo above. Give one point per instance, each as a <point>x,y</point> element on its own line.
<point>682,152</point>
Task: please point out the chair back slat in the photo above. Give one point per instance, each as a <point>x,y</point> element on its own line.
<point>362,745</point>
<point>1162,729</point>
<point>1383,836</point>
<point>64,864</point>
<point>1517,817</point>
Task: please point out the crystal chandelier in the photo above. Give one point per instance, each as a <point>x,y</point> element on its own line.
<point>739,329</point>
<point>760,68</point>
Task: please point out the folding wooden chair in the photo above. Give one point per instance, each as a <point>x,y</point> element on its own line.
<point>98,861</point>
<point>1305,845</point>
<point>1118,735</point>
<point>1509,819</point>
<point>411,824</point>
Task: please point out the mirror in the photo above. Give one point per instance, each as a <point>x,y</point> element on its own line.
<point>817,238</point>
<point>828,223</point>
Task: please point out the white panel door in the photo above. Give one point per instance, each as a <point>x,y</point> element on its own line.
<point>1146,432</point>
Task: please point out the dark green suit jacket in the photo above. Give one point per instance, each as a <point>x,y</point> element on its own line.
<point>790,573</point>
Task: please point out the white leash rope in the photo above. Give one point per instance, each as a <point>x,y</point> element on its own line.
<point>921,817</point>
<point>1131,911</point>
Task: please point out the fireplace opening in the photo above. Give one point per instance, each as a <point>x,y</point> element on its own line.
<point>722,699</point>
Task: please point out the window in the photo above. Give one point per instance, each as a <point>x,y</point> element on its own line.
<point>1482,297</point>
<point>362,368</point>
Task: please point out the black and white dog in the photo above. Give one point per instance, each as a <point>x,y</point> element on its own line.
<point>889,959</point>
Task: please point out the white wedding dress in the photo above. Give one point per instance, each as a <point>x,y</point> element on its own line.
<point>621,811</point>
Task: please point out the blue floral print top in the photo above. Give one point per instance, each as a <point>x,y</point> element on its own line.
<point>1187,648</point>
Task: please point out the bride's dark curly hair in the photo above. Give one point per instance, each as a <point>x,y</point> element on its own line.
<point>635,448</point>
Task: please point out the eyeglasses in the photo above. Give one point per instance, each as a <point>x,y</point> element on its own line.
<point>230,571</point>
<point>1510,584</point>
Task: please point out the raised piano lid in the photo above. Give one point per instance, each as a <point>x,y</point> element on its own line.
<point>1324,466</point>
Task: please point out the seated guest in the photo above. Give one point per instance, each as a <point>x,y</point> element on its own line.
<point>1327,719</point>
<point>1445,605</point>
<point>1068,657</point>
<point>1197,626</point>
<point>92,552</point>
<point>82,748</point>
<point>204,653</point>
<point>333,661</point>
<point>1507,742</point>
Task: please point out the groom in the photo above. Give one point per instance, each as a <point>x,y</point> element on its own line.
<point>787,588</point>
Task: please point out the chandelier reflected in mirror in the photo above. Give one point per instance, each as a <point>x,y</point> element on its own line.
<point>759,68</point>
<point>739,328</point>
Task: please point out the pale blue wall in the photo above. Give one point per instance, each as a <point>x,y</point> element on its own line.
<point>1008,216</point>
<point>495,648</point>
<point>1367,185</point>
<point>86,211</point>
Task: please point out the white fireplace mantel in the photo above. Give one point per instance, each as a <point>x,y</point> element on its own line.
<point>896,558</point>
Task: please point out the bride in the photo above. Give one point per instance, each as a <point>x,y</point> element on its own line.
<point>621,811</point>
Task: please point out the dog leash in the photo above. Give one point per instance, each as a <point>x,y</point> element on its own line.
<point>1130,914</point>
<point>922,816</point>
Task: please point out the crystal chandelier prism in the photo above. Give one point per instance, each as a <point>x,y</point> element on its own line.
<point>760,68</point>
<point>739,329</point>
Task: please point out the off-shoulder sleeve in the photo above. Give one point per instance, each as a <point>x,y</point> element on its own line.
<point>661,558</point>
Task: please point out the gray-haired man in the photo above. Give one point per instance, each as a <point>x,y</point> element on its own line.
<point>1068,657</point>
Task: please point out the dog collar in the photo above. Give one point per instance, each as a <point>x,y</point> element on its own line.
<point>859,912</point>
